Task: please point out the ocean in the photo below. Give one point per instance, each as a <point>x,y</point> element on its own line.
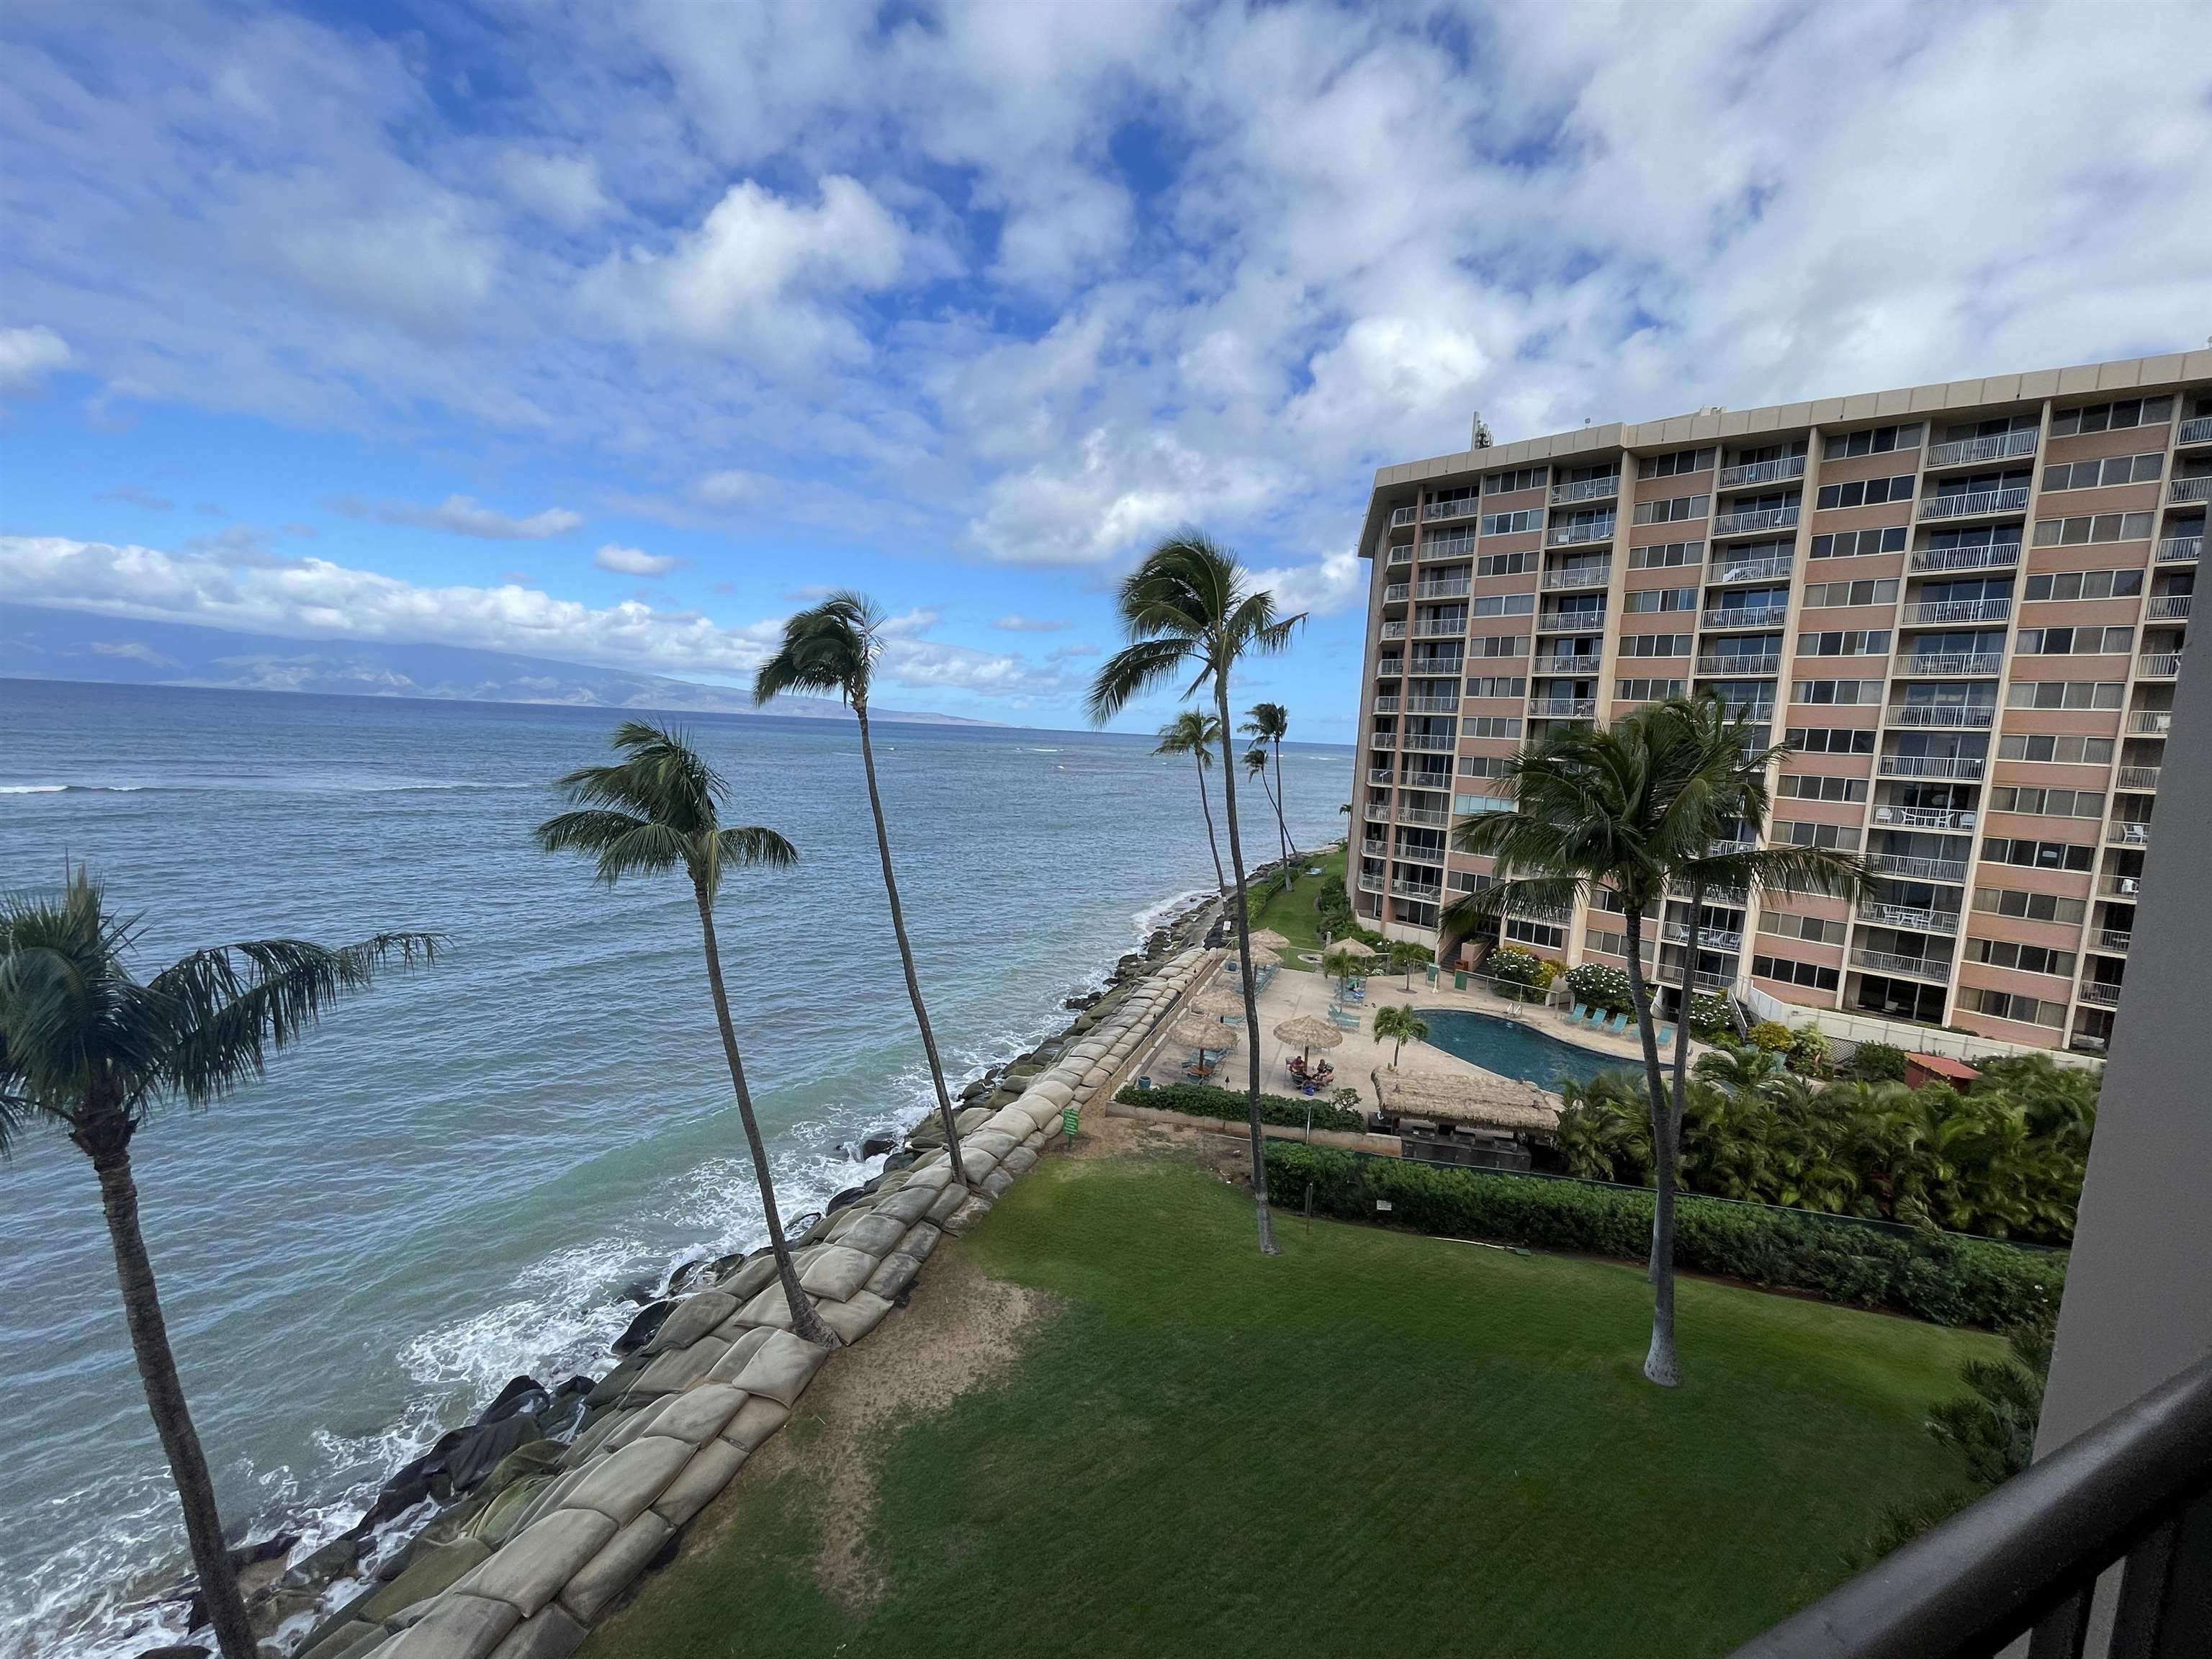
<point>457,1178</point>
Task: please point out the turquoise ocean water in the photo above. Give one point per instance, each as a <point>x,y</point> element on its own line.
<point>457,1177</point>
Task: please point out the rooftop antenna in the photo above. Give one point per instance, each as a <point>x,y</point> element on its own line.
<point>1482,437</point>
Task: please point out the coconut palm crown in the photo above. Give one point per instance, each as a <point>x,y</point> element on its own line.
<point>1268,724</point>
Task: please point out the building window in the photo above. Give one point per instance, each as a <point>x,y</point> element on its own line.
<point>1510,524</point>
<point>2085,585</point>
<point>2113,470</point>
<point>2023,959</point>
<point>1655,645</point>
<point>1682,461</point>
<point>1874,440</point>
<point>1484,766</point>
<point>2111,418</point>
<point>1660,598</point>
<point>2094,527</point>
<point>2075,641</point>
<point>2049,803</point>
<point>1836,691</point>
<point>1505,605</point>
<point>1493,725</point>
<point>1866,492</point>
<point>2068,750</point>
<point>1498,685</point>
<point>2064,693</point>
<point>1543,935</point>
<point>1883,592</point>
<point>1649,690</point>
<point>1504,564</point>
<point>1526,477</point>
<point>1673,511</point>
<point>2014,1006</point>
<point>1498,645</point>
<point>1666,555</point>
<point>2030,907</point>
<point>1789,971</point>
<point>2038,855</point>
<point>1832,740</point>
<point>1844,642</point>
<point>1816,930</point>
<point>1840,837</point>
<point>1806,786</point>
<point>1859,544</point>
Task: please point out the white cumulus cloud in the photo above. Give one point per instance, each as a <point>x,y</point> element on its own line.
<point>28,356</point>
<point>633,561</point>
<point>460,516</point>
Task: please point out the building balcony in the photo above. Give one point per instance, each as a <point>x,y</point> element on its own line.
<point>1573,664</point>
<point>1444,511</point>
<point>1889,961</point>
<point>2112,941</point>
<point>1922,817</point>
<point>1952,664</point>
<point>1427,817</point>
<point>2128,832</point>
<point>1394,630</point>
<point>1586,489</point>
<point>1429,892</point>
<point>2157,665</point>
<point>2120,887</point>
<point>1579,575</point>
<point>1577,535</point>
<point>1397,593</point>
<point>2168,607</point>
<point>1976,504</point>
<point>1762,472</point>
<point>1564,709</point>
<point>2197,430</point>
<point>1951,871</point>
<point>1911,917</point>
<point>1444,587</point>
<point>1411,852</point>
<point>1756,521</point>
<point>1390,668</point>
<point>2180,550</point>
<point>1956,717</point>
<point>1376,846</point>
<point>1932,766</point>
<point>1738,844</point>
<point>1421,742</point>
<point>1370,882</point>
<point>2150,722</point>
<point>1975,451</point>
<point>1721,571</point>
<point>1381,776</point>
<point>2190,489</point>
<point>1726,941</point>
<point>1436,781</point>
<point>2139,777</point>
<point>1997,555</point>
<point>1439,628</point>
<point>2101,993</point>
<point>1745,616</point>
<point>1946,613</point>
<point>1739,666</point>
<point>1759,709</point>
<point>1402,516</point>
<point>1429,705</point>
<point>1386,705</point>
<point>1396,554</point>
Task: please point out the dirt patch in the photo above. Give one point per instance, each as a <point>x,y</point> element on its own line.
<point>961,1330</point>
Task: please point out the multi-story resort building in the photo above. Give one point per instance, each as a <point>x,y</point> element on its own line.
<point>1963,605</point>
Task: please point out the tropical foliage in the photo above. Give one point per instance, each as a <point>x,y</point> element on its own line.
<point>1281,1111</point>
<point>1407,956</point>
<point>1399,1026</point>
<point>1197,734</point>
<point>1269,724</point>
<point>2003,1158</point>
<point>1513,969</point>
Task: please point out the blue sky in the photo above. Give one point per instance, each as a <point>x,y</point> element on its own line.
<point>612,331</point>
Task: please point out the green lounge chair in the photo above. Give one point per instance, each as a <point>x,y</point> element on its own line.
<point>1666,1036</point>
<point>1615,1026</point>
<point>1580,1014</point>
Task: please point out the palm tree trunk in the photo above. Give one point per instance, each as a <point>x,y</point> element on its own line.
<point>164,1399</point>
<point>906,950</point>
<point>1660,1363</point>
<point>1205,805</point>
<point>1281,794</point>
<point>1268,1246</point>
<point>805,1321</point>
<point>1689,990</point>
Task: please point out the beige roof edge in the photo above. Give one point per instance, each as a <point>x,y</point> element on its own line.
<point>2086,380</point>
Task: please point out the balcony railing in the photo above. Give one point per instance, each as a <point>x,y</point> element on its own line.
<point>2101,992</point>
<point>2169,607</point>
<point>1440,628</point>
<point>1409,851</point>
<point>1444,588</point>
<point>1429,705</point>
<point>2120,887</point>
<point>1758,519</point>
<point>1381,776</point>
<point>1389,668</point>
<point>1397,554</point>
<point>2113,941</point>
<point>1998,446</point>
<point>2197,430</point>
<point>1386,705</point>
<point>1586,489</point>
<point>1918,869</point>
<point>1890,962</point>
<point>2157,665</point>
<point>1394,630</point>
<point>1578,663</point>
<point>1579,575</point>
<point>1420,743</point>
<point>2140,777</point>
<point>1740,664</point>
<point>1443,512</point>
<point>1427,780</point>
<point>2027,1557</point>
<point>2180,550</point>
<point>2128,832</point>
<point>1425,817</point>
<point>1908,917</point>
<point>1762,472</point>
<point>1448,544</point>
<point>2190,489</point>
<point>1954,662</point>
<point>2150,722</point>
<point>1764,615</point>
<point>1992,555</point>
<point>1933,766</point>
<point>1953,716</point>
<point>1922,817</point>
<point>1575,535</point>
<point>1376,846</point>
<point>1776,568</point>
<point>1709,938</point>
<point>1397,593</point>
<point>1370,883</point>
<point>1564,709</point>
<point>1402,516</point>
<point>1943,612</point>
<point>1976,503</point>
<point>1428,891</point>
<point>1572,621</point>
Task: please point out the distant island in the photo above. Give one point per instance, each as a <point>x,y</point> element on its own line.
<point>40,643</point>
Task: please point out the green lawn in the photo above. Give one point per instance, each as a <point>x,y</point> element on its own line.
<point>1378,1443</point>
<point>1291,912</point>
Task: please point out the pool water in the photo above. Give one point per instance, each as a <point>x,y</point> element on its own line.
<point>1511,1049</point>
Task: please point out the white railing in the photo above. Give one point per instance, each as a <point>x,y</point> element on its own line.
<point>2120,887</point>
<point>2100,993</point>
<point>1429,891</point>
<point>1574,535</point>
<point>1448,666</point>
<point>2124,832</point>
<point>1443,512</point>
<point>1953,716</point>
<point>1998,446</point>
<point>1444,587</point>
<point>1386,705</point>
<point>1758,518</point>
<point>2192,489</point>
<point>1576,663</point>
<point>2159,664</point>
<point>1932,766</point>
<point>1564,709</point>
<point>1401,553</point>
<point>2151,722</point>
<point>1918,869</point>
<point>1976,503</point>
<point>2140,777</point>
<point>1448,545</point>
<point>1402,516</point>
<point>2196,430</point>
<point>1376,846</point>
<point>1740,844</point>
<point>1370,883</point>
<point>1953,662</point>
<point>1753,570</point>
<point>1911,917</point>
<point>2114,940</point>
<point>1888,962</point>
<point>1397,593</point>
<point>1381,776</point>
<point>1993,556</point>
<point>1414,852</point>
<point>1389,668</point>
<point>1767,663</point>
<point>1394,630</point>
<point>1428,780</point>
<point>1768,616</point>
<point>1431,705</point>
<point>1586,489</point>
<point>1572,621</point>
<point>1420,743</point>
<point>1579,575</point>
<point>2180,550</point>
<point>1922,817</point>
<point>1427,817</point>
<point>1439,628</point>
<point>1709,938</point>
<point>2169,607</point>
<point>1762,472</point>
<point>1750,711</point>
<point>1939,612</point>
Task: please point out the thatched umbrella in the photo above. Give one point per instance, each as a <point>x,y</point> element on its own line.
<point>1207,1036</point>
<point>1219,1000</point>
<point>1308,1032</point>
<point>1262,957</point>
<point>1480,1098</point>
<point>1268,940</point>
<point>1358,950</point>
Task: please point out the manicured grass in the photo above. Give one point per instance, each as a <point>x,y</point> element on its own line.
<point>1291,912</point>
<point>1377,1444</point>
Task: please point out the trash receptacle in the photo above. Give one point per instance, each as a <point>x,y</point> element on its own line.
<point>1458,979</point>
<point>1143,1083</point>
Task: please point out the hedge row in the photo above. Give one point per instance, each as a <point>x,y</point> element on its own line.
<point>1204,1100</point>
<point>1934,1276</point>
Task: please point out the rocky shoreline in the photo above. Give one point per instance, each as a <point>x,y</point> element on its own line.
<point>398,1584</point>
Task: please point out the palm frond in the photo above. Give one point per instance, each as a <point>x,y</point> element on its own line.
<point>620,844</point>
<point>830,648</point>
<point>1130,672</point>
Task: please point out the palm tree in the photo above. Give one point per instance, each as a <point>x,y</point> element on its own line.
<point>657,810</point>
<point>88,1048</point>
<point>1400,1026</point>
<point>1195,734</point>
<point>833,647</point>
<point>1406,956</point>
<point>1187,608</point>
<point>1269,724</point>
<point>1631,808</point>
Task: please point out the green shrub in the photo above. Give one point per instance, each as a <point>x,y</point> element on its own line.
<point>1878,1062</point>
<point>1808,1053</point>
<point>1204,1100</point>
<point>1773,1035</point>
<point>1515,970</point>
<point>1938,1277</point>
<point>1709,1016</point>
<point>1601,986</point>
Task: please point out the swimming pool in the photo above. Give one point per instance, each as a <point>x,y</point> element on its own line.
<point>1511,1049</point>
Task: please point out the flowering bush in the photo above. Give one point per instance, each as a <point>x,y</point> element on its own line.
<point>1514,969</point>
<point>1709,1016</point>
<point>1601,986</point>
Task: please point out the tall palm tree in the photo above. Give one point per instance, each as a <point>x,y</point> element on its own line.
<point>1187,609</point>
<point>1195,733</point>
<point>1268,724</point>
<point>88,1048</point>
<point>1631,808</point>
<point>834,648</point>
<point>1400,1026</point>
<point>657,810</point>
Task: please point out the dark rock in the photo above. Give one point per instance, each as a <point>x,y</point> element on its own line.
<point>642,1329</point>
<point>612,1387</point>
<point>802,1224</point>
<point>880,1142</point>
<point>1081,1000</point>
<point>333,1561</point>
<point>898,1161</point>
<point>977,1090</point>
<point>178,1650</point>
<point>268,1549</point>
<point>521,1393</point>
<point>638,1291</point>
<point>845,1199</point>
<point>481,1449</point>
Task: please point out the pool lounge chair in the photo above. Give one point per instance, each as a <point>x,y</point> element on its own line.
<point>1343,1019</point>
<point>1666,1035</point>
<point>1580,1014</point>
<point>1593,1018</point>
<point>1615,1026</point>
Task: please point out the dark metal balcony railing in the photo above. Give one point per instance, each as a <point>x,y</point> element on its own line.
<point>2134,1492</point>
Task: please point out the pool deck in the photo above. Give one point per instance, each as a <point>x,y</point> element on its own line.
<point>1295,990</point>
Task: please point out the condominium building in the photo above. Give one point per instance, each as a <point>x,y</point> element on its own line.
<point>1963,605</point>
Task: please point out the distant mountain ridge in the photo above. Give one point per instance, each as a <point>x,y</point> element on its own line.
<point>37,642</point>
